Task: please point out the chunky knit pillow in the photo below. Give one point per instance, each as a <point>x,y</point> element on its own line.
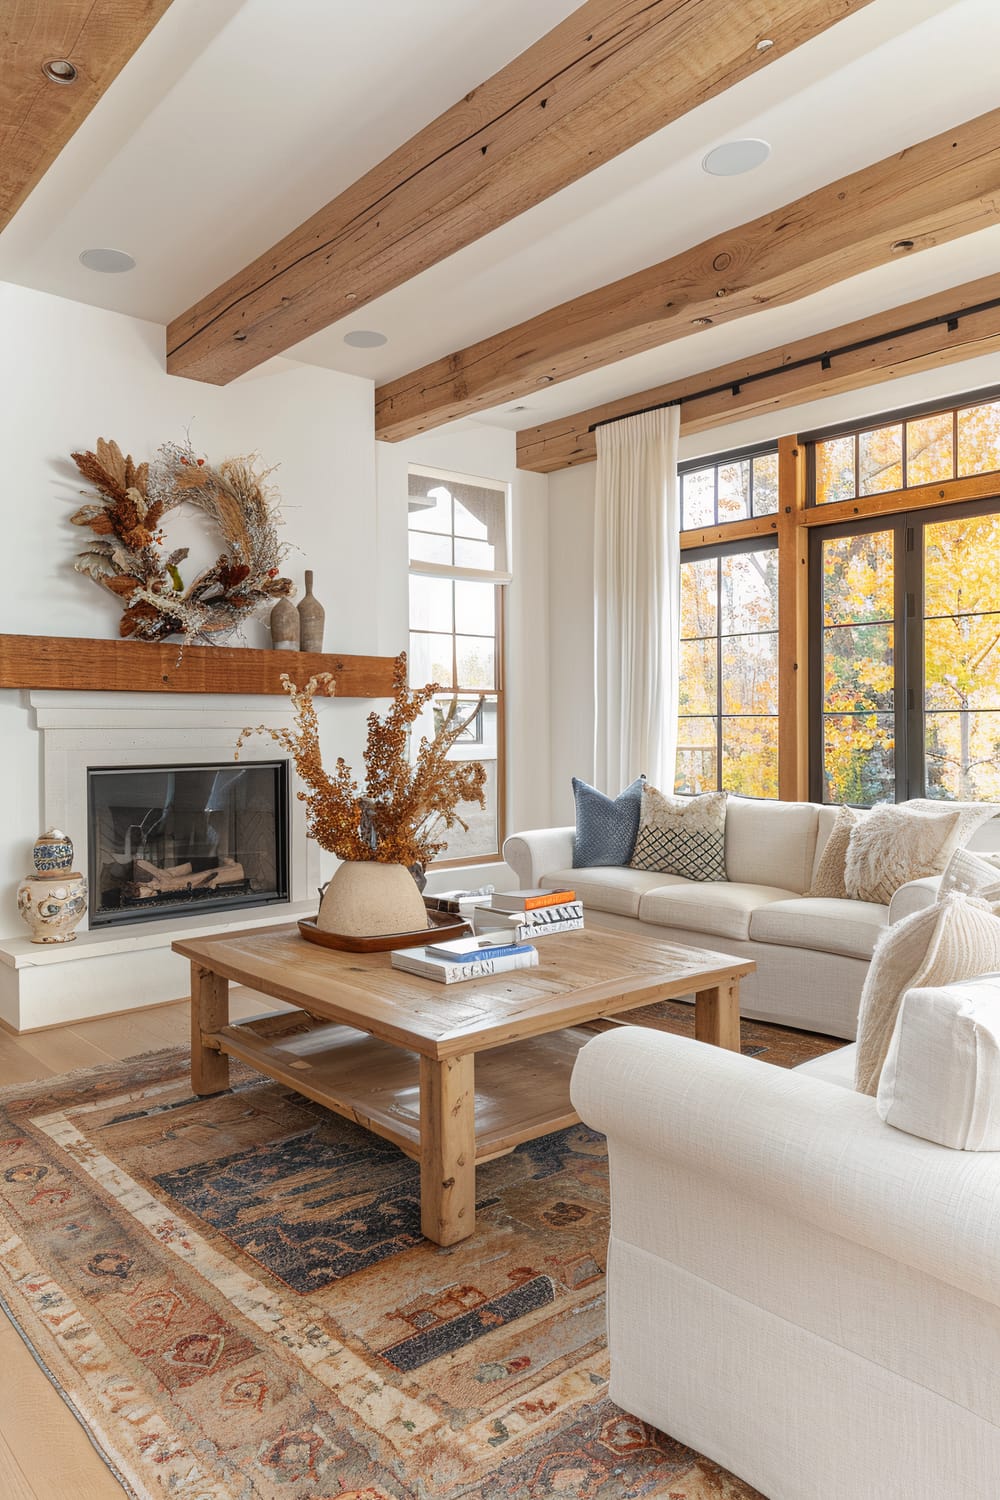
<point>682,835</point>
<point>954,940</point>
<point>972,874</point>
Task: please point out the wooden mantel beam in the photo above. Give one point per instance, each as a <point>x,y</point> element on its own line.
<point>605,78</point>
<point>37,116</point>
<point>928,194</point>
<point>570,440</point>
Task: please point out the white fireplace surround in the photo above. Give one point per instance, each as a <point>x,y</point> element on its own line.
<point>119,968</point>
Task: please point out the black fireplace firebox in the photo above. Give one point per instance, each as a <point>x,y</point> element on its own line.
<point>170,839</point>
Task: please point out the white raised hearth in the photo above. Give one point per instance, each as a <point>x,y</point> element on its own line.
<point>126,967</point>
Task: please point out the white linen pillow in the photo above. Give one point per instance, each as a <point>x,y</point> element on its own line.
<point>941,1079</point>
<point>957,939</point>
<point>896,843</point>
<point>682,835</point>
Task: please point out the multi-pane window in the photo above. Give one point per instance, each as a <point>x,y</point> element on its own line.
<point>733,487</point>
<point>906,672</point>
<point>458,566</point>
<point>897,454</point>
<point>728,725</point>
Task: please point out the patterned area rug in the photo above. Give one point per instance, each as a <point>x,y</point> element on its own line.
<point>234,1297</point>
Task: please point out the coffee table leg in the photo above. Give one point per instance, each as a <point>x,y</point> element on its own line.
<point>717,1015</point>
<point>209,1012</point>
<point>447,1148</point>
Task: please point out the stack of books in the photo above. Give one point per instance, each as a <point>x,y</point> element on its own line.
<point>458,903</point>
<point>466,958</point>
<point>530,914</point>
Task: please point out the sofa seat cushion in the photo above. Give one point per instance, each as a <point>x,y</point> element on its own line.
<point>824,923</point>
<point>833,1067</point>
<point>718,908</point>
<point>614,888</point>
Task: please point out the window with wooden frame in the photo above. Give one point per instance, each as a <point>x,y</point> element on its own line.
<point>728,722</point>
<point>905,670</point>
<point>458,546</point>
<point>901,450</point>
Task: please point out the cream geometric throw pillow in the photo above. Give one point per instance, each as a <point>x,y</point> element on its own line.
<point>682,835</point>
<point>895,844</point>
<point>957,939</point>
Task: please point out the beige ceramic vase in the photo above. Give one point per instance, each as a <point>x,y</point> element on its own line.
<point>53,905</point>
<point>284,622</point>
<point>312,616</point>
<point>368,899</point>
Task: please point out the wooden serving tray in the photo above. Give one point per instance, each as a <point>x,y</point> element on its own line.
<point>441,927</point>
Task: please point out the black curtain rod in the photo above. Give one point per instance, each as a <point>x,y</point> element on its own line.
<point>824,360</point>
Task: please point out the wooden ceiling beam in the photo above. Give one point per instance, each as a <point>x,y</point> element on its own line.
<point>605,78</point>
<point>37,116</point>
<point>928,194</point>
<point>743,393</point>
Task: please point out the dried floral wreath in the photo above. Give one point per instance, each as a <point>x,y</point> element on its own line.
<point>406,802</point>
<point>128,556</point>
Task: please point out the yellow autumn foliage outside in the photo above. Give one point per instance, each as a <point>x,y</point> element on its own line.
<point>728,688</point>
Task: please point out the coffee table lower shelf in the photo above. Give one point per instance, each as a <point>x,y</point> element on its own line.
<point>521,1089</point>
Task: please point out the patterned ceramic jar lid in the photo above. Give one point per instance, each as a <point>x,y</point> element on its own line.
<point>53,852</point>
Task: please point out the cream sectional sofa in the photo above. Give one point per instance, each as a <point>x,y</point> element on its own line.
<point>811,953</point>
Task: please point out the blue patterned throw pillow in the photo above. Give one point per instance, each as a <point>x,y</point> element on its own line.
<point>606,827</point>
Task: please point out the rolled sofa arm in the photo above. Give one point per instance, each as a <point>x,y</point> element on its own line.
<point>915,895</point>
<point>796,1144</point>
<point>535,853</point>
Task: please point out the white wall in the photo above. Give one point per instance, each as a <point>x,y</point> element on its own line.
<point>70,374</point>
<point>484,452</point>
<point>571,520</point>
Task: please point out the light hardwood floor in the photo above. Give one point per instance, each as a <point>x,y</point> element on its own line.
<point>44,1452</point>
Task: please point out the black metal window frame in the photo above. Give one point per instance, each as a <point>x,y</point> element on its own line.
<point>899,417</point>
<point>716,551</point>
<point>908,638</point>
<point>719,461</point>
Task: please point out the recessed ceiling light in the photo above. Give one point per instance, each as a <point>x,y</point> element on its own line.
<point>59,70</point>
<point>765,44</point>
<point>104,259</point>
<point>702,322</point>
<point>734,157</point>
<point>365,338</point>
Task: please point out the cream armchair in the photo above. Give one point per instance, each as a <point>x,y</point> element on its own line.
<point>795,1289</point>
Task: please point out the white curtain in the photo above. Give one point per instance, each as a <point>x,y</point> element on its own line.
<point>636,600</point>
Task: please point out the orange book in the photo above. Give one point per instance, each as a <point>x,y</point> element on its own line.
<point>530,900</point>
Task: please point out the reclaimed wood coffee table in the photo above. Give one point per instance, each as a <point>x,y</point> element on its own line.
<point>452,1074</point>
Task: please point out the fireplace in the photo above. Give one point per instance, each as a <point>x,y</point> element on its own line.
<point>165,840</point>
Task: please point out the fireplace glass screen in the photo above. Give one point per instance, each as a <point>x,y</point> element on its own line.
<point>166,839</point>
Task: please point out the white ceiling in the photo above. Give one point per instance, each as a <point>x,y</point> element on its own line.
<point>235,121</point>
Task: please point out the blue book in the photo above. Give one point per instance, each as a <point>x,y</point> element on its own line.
<point>473,949</point>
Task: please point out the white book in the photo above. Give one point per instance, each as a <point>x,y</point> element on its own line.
<point>529,934</point>
<point>487,918</point>
<point>418,961</point>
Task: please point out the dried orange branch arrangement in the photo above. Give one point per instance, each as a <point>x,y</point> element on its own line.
<point>405,803</point>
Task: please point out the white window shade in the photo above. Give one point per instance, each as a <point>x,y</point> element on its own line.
<point>458,529</point>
